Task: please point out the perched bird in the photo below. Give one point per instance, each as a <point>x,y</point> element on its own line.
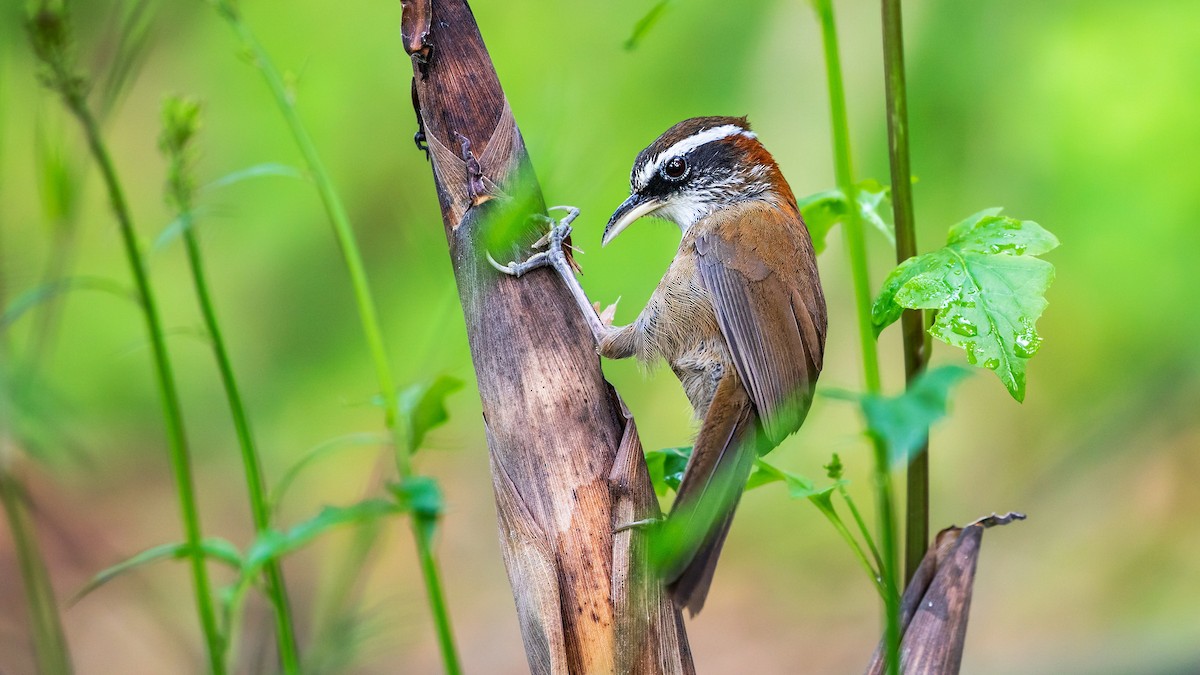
<point>739,316</point>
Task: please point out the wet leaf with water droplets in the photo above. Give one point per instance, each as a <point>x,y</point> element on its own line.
<point>989,290</point>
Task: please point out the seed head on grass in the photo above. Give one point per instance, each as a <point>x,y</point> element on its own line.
<point>53,43</point>
<point>180,123</point>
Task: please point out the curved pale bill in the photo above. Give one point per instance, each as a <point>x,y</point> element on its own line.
<point>630,210</point>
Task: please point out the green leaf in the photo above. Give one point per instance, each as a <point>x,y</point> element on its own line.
<point>765,473</point>
<point>176,227</point>
<point>822,210</point>
<point>423,407</point>
<point>989,290</point>
<point>647,22</point>
<point>134,33</point>
<point>823,500</point>
<point>666,468</point>
<point>58,180</point>
<point>274,544</point>
<point>40,294</point>
<point>902,422</point>
<point>256,171</point>
<point>219,550</point>
<point>319,451</point>
<point>420,495</point>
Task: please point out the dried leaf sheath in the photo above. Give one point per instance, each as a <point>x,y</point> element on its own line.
<point>565,458</point>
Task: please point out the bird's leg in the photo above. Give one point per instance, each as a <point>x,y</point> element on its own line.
<point>554,257</point>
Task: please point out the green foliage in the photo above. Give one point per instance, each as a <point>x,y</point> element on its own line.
<point>176,227</point>
<point>988,288</point>
<point>275,544</point>
<point>180,123</point>
<point>644,24</point>
<point>37,295</point>
<point>257,171</point>
<point>902,422</point>
<point>422,407</point>
<point>320,451</point>
<point>58,179</point>
<point>51,653</point>
<point>823,210</point>
<point>798,486</point>
<point>419,495</point>
<point>213,548</point>
<point>666,467</point>
<point>834,468</point>
<point>133,31</point>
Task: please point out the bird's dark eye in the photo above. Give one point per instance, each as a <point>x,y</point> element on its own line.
<point>675,168</point>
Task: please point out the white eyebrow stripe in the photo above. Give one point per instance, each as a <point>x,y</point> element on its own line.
<point>686,145</point>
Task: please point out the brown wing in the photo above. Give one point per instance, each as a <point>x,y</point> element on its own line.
<point>757,263</point>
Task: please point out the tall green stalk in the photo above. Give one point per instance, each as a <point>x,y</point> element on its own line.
<point>916,354</point>
<point>51,653</point>
<point>180,121</point>
<point>368,315</point>
<point>49,641</point>
<point>857,250</point>
<point>49,35</point>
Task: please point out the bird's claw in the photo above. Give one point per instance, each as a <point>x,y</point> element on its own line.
<point>553,256</point>
<point>637,524</point>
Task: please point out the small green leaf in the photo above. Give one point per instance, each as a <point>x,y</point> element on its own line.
<point>765,473</point>
<point>988,289</point>
<point>134,34</point>
<point>666,468</point>
<point>645,23</point>
<point>40,294</point>
<point>58,180</point>
<point>320,451</point>
<point>419,495</point>
<point>822,210</point>
<point>219,550</point>
<point>256,171</point>
<point>902,422</point>
<point>423,408</point>
<point>274,544</point>
<point>823,500</point>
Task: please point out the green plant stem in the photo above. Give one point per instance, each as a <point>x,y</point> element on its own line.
<point>172,413</point>
<point>49,641</point>
<point>334,208</point>
<point>423,527</point>
<point>856,249</point>
<point>862,525</point>
<point>366,310</point>
<point>289,656</point>
<point>876,579</point>
<point>911,323</point>
<point>51,653</point>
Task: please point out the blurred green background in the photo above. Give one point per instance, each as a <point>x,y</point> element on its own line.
<point>1081,115</point>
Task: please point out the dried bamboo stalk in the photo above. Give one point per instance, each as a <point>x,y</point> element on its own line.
<point>566,462</point>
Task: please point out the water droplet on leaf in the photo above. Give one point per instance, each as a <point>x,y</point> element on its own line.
<point>963,326</point>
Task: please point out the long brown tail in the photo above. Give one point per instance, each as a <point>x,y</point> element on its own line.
<point>721,461</point>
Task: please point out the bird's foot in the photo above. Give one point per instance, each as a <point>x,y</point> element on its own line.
<point>553,241</point>
<point>637,524</point>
